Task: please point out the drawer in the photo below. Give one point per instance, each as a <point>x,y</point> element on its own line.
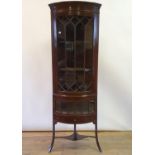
<point>71,119</point>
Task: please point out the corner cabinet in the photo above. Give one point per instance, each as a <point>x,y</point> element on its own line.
<point>75,33</point>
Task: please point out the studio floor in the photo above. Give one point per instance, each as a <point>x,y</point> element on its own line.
<point>112,143</point>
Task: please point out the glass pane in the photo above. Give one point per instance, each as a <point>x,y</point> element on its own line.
<point>75,53</point>
<point>75,107</point>
<point>69,42</point>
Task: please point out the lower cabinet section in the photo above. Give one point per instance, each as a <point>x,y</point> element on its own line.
<point>78,108</point>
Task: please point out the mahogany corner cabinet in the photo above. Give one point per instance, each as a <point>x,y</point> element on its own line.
<point>75,34</point>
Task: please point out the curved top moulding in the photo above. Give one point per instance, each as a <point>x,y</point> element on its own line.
<point>75,7</point>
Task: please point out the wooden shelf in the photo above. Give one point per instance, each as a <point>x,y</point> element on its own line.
<point>75,69</point>
<point>76,41</point>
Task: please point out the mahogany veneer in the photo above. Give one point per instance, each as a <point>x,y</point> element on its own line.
<point>75,33</point>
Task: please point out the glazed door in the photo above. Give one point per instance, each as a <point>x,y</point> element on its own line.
<point>74,53</point>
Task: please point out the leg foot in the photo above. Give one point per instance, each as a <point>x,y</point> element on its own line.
<point>53,137</point>
<point>96,135</point>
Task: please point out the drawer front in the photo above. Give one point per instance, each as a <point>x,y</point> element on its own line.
<point>71,119</point>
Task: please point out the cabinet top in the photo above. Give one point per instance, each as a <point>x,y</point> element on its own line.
<point>72,6</point>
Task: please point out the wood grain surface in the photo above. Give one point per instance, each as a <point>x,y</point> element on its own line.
<point>112,143</point>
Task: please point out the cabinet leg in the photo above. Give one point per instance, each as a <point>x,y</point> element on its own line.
<point>75,133</point>
<point>96,135</point>
<point>53,137</point>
